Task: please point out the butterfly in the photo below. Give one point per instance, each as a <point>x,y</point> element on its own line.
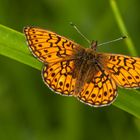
<point>72,70</point>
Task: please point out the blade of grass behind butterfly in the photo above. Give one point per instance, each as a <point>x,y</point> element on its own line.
<point>13,45</point>
<point>129,100</point>
<point>122,27</point>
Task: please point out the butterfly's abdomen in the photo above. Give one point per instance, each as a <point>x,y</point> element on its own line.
<point>84,64</point>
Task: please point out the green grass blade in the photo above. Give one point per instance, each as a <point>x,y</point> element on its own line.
<point>129,100</point>
<point>13,45</point>
<point>122,28</point>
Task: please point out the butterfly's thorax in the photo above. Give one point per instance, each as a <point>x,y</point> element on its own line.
<point>86,60</point>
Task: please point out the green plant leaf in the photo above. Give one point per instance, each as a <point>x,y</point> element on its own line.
<point>13,45</point>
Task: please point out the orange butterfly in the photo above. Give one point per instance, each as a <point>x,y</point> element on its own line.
<point>69,69</point>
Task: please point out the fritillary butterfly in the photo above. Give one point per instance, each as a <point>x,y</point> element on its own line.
<point>90,76</point>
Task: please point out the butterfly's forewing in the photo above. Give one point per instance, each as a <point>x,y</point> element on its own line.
<point>123,69</point>
<point>100,91</point>
<point>49,47</point>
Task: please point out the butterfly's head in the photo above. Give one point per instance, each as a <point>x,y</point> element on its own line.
<point>93,45</point>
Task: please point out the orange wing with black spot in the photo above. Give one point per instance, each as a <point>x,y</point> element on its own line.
<point>123,69</point>
<point>59,77</point>
<point>49,47</point>
<point>100,91</point>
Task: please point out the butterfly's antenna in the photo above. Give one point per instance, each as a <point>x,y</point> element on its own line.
<point>75,27</point>
<point>115,40</point>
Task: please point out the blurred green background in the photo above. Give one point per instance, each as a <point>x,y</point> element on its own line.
<point>31,111</point>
